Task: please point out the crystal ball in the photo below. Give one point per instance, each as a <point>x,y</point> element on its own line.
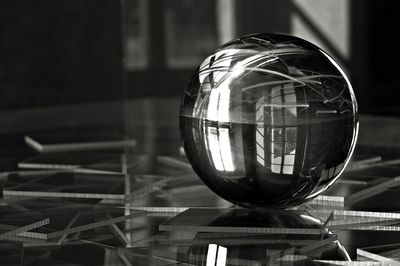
<point>269,120</point>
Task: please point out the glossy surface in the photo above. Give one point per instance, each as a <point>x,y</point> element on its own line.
<point>113,210</point>
<point>268,234</point>
<point>269,120</point>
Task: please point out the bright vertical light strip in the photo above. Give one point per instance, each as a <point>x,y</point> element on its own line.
<point>212,132</point>
<point>219,142</point>
<point>223,104</point>
<point>220,156</point>
<point>218,110</point>
<point>214,146</point>
<point>221,257</point>
<point>225,149</point>
<point>211,255</point>
<point>226,20</point>
<point>223,116</point>
<point>212,109</point>
<point>206,139</point>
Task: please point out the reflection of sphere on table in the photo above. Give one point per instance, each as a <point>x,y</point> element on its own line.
<point>269,120</point>
<point>284,238</point>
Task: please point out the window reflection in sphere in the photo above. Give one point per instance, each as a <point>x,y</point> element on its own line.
<point>269,120</point>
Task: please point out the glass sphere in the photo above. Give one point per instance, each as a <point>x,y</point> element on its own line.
<point>269,120</point>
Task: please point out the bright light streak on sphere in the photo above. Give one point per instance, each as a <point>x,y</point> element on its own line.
<point>269,120</point>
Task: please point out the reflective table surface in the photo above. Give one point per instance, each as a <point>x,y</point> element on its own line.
<point>85,186</point>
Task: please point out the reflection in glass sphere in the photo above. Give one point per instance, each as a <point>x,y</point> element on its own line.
<point>269,120</point>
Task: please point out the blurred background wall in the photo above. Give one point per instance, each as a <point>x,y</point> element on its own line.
<point>77,51</point>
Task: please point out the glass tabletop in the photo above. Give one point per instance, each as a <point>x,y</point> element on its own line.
<point>100,194</point>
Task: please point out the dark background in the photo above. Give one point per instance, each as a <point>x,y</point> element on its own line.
<point>62,52</point>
